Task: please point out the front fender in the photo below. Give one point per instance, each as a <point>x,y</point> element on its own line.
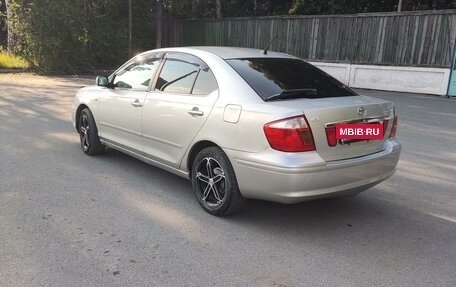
<point>86,97</point>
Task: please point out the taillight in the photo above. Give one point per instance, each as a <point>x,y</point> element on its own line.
<point>290,135</point>
<point>331,136</point>
<point>385,126</point>
<point>393,128</point>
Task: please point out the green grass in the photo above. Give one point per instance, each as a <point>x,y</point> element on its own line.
<point>9,61</point>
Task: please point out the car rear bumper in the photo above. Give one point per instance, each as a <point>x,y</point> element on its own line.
<point>295,177</point>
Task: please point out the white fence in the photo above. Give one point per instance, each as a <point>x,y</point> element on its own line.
<point>390,78</point>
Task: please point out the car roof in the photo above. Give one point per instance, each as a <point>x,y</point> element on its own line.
<point>234,52</point>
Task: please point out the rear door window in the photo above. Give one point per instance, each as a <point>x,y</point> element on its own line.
<point>273,76</point>
<point>205,83</point>
<point>185,74</point>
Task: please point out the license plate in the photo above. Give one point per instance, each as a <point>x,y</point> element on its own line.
<point>359,132</point>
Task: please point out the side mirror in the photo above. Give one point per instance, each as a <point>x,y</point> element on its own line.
<point>102,81</point>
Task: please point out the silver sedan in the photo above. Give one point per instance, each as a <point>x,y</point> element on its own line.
<point>239,123</point>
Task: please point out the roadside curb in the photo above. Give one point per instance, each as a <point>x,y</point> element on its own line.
<point>89,73</point>
<point>15,71</point>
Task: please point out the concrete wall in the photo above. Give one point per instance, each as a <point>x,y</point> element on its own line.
<point>390,78</point>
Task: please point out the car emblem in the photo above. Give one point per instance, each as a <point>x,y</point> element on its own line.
<point>362,111</point>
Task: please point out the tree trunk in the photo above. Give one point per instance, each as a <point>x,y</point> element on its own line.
<point>399,6</point>
<point>219,9</point>
<point>196,8</point>
<point>11,37</point>
<point>255,7</point>
<point>159,23</point>
<point>130,26</point>
<point>270,7</point>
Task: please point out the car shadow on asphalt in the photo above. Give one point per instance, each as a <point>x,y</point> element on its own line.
<point>372,215</point>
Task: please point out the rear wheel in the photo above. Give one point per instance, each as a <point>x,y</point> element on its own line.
<point>214,182</point>
<point>88,134</point>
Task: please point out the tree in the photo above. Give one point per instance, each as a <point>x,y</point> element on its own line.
<point>159,23</point>
<point>413,5</point>
<point>73,35</point>
<point>66,35</point>
<point>219,8</point>
<point>11,38</point>
<point>196,7</point>
<point>130,26</point>
<point>364,6</point>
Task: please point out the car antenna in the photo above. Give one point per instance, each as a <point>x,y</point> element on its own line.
<point>265,51</point>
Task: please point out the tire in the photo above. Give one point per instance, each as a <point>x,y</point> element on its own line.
<point>88,134</point>
<point>214,182</point>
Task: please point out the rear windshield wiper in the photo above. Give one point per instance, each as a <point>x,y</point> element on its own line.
<point>293,94</point>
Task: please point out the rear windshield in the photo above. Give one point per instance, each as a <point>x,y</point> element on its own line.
<point>272,76</point>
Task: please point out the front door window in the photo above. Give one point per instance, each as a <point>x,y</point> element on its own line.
<point>137,75</point>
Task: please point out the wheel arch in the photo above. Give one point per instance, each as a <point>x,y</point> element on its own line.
<point>196,148</point>
<point>78,113</point>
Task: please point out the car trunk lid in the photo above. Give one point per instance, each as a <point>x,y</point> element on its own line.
<point>323,114</point>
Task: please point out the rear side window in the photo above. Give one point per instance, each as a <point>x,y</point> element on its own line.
<point>205,83</point>
<point>185,74</point>
<point>177,76</point>
<point>272,76</point>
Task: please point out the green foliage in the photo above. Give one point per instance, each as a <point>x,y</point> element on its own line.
<point>9,61</point>
<point>411,5</point>
<point>56,40</point>
<point>143,26</point>
<point>71,36</point>
<point>75,35</point>
<point>307,7</point>
<point>240,8</point>
<point>341,6</point>
<point>106,33</point>
<point>365,6</point>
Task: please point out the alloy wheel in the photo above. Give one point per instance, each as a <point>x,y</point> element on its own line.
<point>211,182</point>
<point>84,132</point>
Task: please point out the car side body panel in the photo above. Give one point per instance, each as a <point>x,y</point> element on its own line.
<point>119,119</point>
<point>168,125</point>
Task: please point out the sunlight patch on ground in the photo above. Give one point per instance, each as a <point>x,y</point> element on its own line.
<point>448,132</point>
<point>444,217</point>
<point>41,144</point>
<point>443,114</point>
<point>66,137</point>
<point>421,173</point>
<point>422,203</point>
<point>9,111</point>
<point>448,154</point>
<point>9,194</point>
<point>180,222</point>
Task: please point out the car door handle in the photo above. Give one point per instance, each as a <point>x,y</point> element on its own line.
<point>136,104</point>
<point>196,112</point>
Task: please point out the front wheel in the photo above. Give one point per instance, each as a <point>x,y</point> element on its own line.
<point>88,134</point>
<point>214,182</point>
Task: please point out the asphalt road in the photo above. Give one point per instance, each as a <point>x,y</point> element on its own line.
<point>67,219</point>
